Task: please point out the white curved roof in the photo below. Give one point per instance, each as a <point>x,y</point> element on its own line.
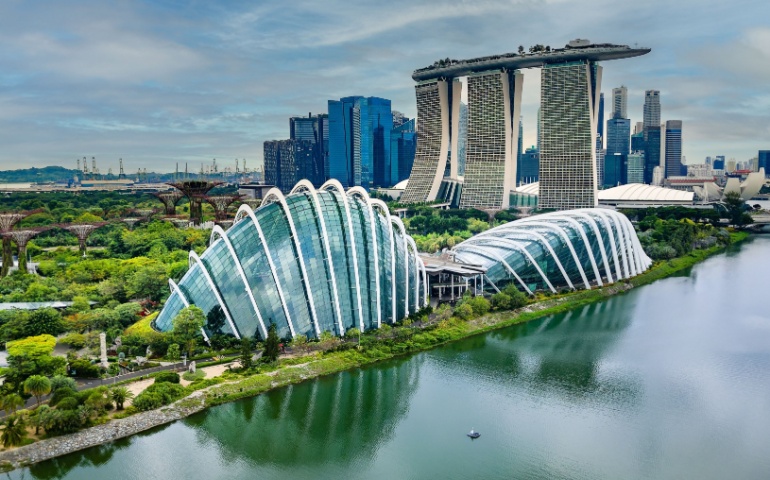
<point>639,192</point>
<point>632,192</point>
<point>400,185</point>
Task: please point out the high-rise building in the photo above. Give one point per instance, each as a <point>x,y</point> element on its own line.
<point>569,99</point>
<point>600,154</point>
<point>719,162</point>
<point>639,128</point>
<point>403,142</point>
<point>287,162</point>
<point>673,148</point>
<point>398,118</point>
<point>600,125</point>
<point>651,110</point>
<point>652,151</point>
<point>528,169</point>
<point>615,170</point>
<point>763,161</point>
<point>637,142</point>
<point>520,148</point>
<point>314,129</point>
<point>618,136</point>
<point>462,139</point>
<point>359,141</point>
<point>494,106</point>
<point>620,102</point>
<point>657,176</point>
<point>635,168</point>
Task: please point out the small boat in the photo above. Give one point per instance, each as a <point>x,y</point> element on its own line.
<point>474,434</point>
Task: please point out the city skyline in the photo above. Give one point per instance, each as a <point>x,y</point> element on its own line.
<point>155,84</point>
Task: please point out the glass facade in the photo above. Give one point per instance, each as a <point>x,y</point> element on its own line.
<point>568,249</point>
<point>310,262</point>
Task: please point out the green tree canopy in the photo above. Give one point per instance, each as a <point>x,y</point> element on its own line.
<point>187,326</point>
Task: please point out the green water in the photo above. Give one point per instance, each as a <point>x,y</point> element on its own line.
<point>671,380</point>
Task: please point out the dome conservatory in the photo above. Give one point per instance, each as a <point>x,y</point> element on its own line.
<point>309,262</point>
<point>567,249</point>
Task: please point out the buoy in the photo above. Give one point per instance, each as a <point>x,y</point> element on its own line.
<point>474,434</point>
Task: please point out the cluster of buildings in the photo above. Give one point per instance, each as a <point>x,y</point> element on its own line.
<point>361,141</point>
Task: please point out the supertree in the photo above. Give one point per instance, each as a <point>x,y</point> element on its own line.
<point>83,231</point>
<point>138,215</point>
<point>22,238</point>
<point>7,221</point>
<point>169,200</point>
<point>194,190</point>
<point>221,203</point>
<point>254,203</point>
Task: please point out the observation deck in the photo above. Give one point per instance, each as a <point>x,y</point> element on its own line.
<point>512,61</point>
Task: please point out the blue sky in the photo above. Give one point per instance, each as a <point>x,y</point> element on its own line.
<point>157,83</point>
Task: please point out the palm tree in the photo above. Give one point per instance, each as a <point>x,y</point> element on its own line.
<point>120,395</point>
<point>11,402</point>
<point>37,385</point>
<point>14,431</point>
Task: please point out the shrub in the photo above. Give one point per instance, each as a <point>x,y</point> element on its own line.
<point>501,301</point>
<point>480,305</point>
<point>67,403</point>
<point>167,377</point>
<point>60,394</point>
<point>157,395</point>
<point>464,311</point>
<point>191,377</point>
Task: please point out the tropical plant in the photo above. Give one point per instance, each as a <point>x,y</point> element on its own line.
<point>120,395</point>
<point>246,353</point>
<point>37,386</point>
<point>187,327</point>
<point>14,431</point>
<point>272,344</point>
<point>11,402</point>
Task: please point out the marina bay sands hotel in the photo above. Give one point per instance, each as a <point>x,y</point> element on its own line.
<point>571,82</point>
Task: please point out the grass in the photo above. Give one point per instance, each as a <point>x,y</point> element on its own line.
<point>142,327</point>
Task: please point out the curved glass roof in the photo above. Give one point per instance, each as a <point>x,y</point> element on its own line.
<point>309,262</point>
<point>567,249</point>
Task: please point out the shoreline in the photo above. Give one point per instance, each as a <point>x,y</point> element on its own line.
<point>318,364</point>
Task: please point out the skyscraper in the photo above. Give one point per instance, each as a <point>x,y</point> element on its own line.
<point>359,141</point>
<point>528,169</point>
<point>763,161</point>
<point>569,103</point>
<point>494,107</point>
<point>287,162</point>
<point>314,129</point>
<point>462,139</point>
<point>600,125</point>
<point>719,162</point>
<point>673,148</point>
<point>635,168</point>
<point>651,151</point>
<point>637,142</point>
<point>651,110</point>
<point>620,102</point>
<point>618,136</point>
<point>403,142</point>
<point>615,170</point>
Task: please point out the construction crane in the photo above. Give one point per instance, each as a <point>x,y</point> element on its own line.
<point>122,174</point>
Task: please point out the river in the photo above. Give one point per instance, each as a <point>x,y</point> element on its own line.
<point>671,380</point>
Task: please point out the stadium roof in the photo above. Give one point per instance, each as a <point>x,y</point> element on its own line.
<point>632,192</point>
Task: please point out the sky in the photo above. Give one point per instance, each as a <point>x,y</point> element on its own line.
<point>161,82</point>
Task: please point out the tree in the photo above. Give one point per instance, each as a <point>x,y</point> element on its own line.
<point>11,402</point>
<point>521,49</point>
<point>37,386</point>
<point>173,352</point>
<point>119,395</point>
<point>14,431</point>
<point>272,344</point>
<point>187,327</point>
<point>736,208</point>
<point>299,342</point>
<point>246,352</point>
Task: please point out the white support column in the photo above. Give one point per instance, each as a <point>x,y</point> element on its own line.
<point>194,258</point>
<point>402,229</point>
<point>337,186</point>
<point>559,230</point>
<point>274,192</point>
<point>615,244</point>
<point>217,230</point>
<point>304,184</point>
<point>373,224</point>
<point>598,235</point>
<point>493,256</point>
<point>579,228</point>
<point>246,210</point>
<point>386,213</point>
<point>412,244</point>
<point>516,246</point>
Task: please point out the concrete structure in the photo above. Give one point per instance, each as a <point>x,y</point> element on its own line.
<point>312,261</point>
<point>635,168</point>
<point>494,92</point>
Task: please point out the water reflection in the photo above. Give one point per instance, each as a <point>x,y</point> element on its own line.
<point>335,419</point>
<point>560,353</point>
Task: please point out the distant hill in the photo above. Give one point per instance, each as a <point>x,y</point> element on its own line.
<point>32,175</point>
